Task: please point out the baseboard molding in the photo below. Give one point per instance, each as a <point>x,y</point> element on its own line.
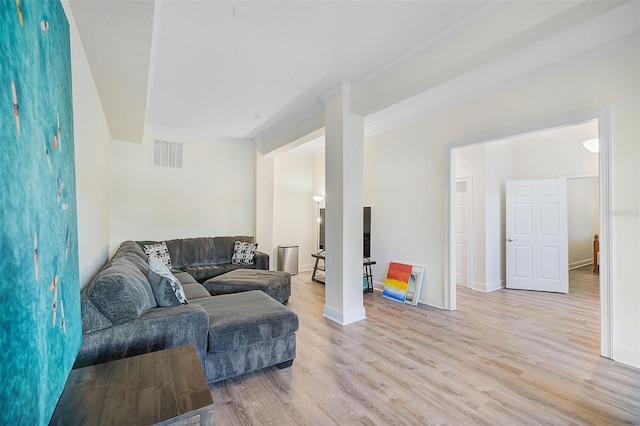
<point>344,318</point>
<point>435,302</point>
<point>580,263</point>
<point>488,288</point>
<point>623,356</point>
<point>305,267</point>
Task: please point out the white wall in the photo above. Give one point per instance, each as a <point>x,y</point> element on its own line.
<point>293,206</point>
<point>406,167</point>
<point>91,140</point>
<point>213,194</point>
<point>583,214</point>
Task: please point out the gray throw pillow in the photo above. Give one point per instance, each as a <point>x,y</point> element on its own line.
<point>166,288</point>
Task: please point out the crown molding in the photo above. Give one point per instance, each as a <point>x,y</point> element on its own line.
<point>194,135</point>
<point>343,88</point>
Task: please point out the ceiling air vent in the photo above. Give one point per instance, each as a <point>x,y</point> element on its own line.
<point>167,154</point>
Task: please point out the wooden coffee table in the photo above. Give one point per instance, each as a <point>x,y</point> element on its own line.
<point>166,387</point>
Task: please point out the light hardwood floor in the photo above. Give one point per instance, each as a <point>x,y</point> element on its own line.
<point>504,358</point>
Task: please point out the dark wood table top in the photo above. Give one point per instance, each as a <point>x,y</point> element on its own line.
<point>142,390</point>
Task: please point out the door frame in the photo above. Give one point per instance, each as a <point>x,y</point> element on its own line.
<point>567,177</point>
<point>469,204</point>
<point>603,117</point>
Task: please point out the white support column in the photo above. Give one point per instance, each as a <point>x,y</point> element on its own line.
<point>344,180</point>
<point>263,204</point>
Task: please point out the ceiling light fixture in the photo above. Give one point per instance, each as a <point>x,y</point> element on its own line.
<point>242,13</point>
<point>592,145</point>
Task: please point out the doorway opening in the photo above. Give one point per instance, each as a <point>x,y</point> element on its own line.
<point>490,232</point>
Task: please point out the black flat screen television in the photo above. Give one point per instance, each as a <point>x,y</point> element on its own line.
<point>366,232</point>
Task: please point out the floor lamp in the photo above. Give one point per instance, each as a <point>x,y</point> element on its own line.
<point>318,199</point>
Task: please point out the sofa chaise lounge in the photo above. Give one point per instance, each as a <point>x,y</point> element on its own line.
<point>233,333</point>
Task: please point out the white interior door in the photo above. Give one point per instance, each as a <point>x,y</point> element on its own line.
<point>462,232</point>
<point>537,239</point>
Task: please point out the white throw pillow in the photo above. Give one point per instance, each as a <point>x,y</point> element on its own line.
<point>243,253</point>
<point>160,251</point>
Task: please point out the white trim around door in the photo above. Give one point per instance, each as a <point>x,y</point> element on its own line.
<point>603,116</point>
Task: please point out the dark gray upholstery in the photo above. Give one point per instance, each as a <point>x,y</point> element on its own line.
<point>203,272</point>
<point>206,257</point>
<point>241,319</point>
<point>223,365</point>
<point>194,291</point>
<point>274,283</point>
<point>247,331</point>
<point>120,291</point>
<point>163,289</point>
<point>155,329</point>
<point>198,251</point>
<point>92,318</point>
<point>233,334</point>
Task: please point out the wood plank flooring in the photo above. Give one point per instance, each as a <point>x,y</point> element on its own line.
<point>504,358</point>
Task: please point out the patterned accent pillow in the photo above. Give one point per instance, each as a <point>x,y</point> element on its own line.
<point>160,251</point>
<point>243,253</point>
<point>166,287</point>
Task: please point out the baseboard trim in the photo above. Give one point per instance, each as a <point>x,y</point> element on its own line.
<point>344,318</point>
<point>580,264</point>
<point>434,302</point>
<point>488,288</point>
<point>624,356</point>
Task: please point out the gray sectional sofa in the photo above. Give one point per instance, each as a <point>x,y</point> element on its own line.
<point>233,333</point>
<point>208,257</point>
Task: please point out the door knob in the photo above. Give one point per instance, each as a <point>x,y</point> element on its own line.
<point>510,240</point>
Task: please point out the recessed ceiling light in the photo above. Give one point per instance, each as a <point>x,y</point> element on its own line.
<point>241,12</point>
<point>257,117</point>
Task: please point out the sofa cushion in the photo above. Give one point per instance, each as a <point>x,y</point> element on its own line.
<point>92,318</point>
<point>133,257</point>
<point>166,288</point>
<point>184,278</point>
<point>195,291</point>
<point>243,319</point>
<point>224,247</point>
<point>202,273</point>
<point>120,291</point>
<point>198,251</point>
<point>276,284</point>
<point>243,253</point>
<point>133,248</point>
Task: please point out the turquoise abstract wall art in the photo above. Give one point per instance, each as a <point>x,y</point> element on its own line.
<point>40,324</point>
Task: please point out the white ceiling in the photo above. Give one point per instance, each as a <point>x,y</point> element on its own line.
<point>193,67</point>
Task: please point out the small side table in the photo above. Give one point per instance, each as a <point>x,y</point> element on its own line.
<point>166,387</point>
<point>318,271</point>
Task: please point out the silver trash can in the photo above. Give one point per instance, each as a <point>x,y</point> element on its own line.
<point>288,259</point>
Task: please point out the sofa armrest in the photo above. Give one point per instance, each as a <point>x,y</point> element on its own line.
<point>261,260</point>
<point>153,330</point>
